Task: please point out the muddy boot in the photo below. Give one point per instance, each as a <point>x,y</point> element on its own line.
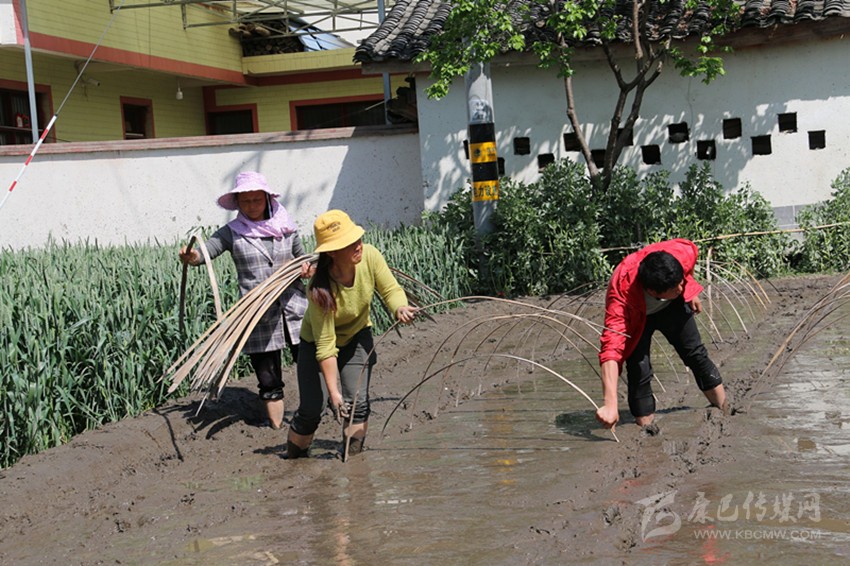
<point>355,446</point>
<point>293,451</point>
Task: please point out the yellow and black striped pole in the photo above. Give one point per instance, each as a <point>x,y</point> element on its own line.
<point>482,146</point>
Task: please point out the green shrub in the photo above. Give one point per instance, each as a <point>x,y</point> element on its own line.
<point>545,237</point>
<point>635,212</point>
<point>703,212</point>
<point>828,249</point>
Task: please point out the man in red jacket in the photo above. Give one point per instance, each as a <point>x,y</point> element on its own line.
<point>653,289</point>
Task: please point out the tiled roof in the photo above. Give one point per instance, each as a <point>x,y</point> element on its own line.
<point>408,27</point>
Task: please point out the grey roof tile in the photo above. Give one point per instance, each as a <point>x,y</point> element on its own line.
<point>408,28</point>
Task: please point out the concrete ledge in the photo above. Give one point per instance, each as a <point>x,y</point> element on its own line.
<point>211,141</point>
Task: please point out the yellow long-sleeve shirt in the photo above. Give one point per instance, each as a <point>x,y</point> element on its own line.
<point>336,329</point>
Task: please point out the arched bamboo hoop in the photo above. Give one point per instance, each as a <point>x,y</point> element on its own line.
<point>213,282</point>
<point>491,355</point>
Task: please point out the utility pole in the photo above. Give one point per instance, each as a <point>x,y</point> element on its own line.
<point>482,145</point>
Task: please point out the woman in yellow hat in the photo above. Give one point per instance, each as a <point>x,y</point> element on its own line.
<point>336,334</point>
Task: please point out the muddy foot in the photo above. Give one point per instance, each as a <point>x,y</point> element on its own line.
<point>650,430</point>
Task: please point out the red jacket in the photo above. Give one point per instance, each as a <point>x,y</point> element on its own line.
<point>625,306</point>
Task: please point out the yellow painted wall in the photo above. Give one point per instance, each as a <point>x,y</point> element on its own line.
<point>93,113</point>
<point>156,31</point>
<point>273,101</point>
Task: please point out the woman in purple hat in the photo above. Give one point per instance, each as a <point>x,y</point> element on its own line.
<point>261,239</point>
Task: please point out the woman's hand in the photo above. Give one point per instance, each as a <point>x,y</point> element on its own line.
<point>192,257</point>
<point>307,270</point>
<point>406,314</point>
<point>341,409</point>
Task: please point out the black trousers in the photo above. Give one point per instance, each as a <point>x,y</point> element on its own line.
<point>267,366</point>
<point>677,324</point>
<point>355,371</point>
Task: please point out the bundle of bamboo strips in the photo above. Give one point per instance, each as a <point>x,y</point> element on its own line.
<point>215,352</point>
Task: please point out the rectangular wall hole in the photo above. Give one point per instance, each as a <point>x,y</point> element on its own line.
<point>571,142</point>
<point>598,156</point>
<point>651,154</point>
<point>500,161</point>
<point>522,146</point>
<point>706,149</point>
<point>731,128</point>
<point>788,122</point>
<point>817,139</point>
<point>630,140</point>
<point>466,149</point>
<point>678,133</point>
<point>761,145</point>
<point>545,159</point>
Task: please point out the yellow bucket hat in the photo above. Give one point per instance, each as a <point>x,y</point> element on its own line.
<point>334,230</point>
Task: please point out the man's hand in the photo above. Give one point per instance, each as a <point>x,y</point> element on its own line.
<point>608,415</point>
<point>696,305</point>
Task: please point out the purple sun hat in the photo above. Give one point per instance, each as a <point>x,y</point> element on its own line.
<point>245,181</point>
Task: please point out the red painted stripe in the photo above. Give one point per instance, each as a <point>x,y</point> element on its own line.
<point>312,77</point>
<point>15,182</point>
<point>19,32</point>
<point>124,57</point>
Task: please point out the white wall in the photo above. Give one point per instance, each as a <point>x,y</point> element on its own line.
<point>7,23</point>
<point>134,191</point>
<point>809,79</point>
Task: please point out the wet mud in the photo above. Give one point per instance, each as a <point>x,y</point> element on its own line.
<point>494,460</point>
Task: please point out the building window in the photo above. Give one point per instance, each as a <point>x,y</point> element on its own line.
<point>231,122</point>
<point>571,142</point>
<point>731,128</point>
<point>630,138</point>
<point>137,114</point>
<point>522,146</point>
<point>598,156</point>
<point>545,159</point>
<point>341,114</point>
<point>706,149</point>
<point>651,154</point>
<point>761,145</point>
<point>788,122</point>
<point>678,133</point>
<point>15,119</point>
<point>817,139</point>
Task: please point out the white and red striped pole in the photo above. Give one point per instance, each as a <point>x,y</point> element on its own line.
<point>56,115</point>
<point>27,162</point>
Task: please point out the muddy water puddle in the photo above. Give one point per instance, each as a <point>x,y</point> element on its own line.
<point>785,498</point>
<point>451,491</point>
<point>488,482</point>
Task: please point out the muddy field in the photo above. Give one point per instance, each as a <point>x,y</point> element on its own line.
<point>498,461</point>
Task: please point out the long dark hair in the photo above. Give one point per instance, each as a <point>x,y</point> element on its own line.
<point>320,284</point>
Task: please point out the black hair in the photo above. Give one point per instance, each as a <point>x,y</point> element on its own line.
<point>660,271</point>
<point>320,284</point>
